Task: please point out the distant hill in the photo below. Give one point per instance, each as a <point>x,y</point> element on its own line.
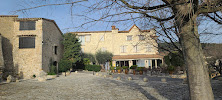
<point>209,49</point>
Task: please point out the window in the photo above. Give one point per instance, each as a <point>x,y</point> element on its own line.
<point>123,49</point>
<point>103,49</point>
<point>129,38</point>
<point>27,25</point>
<point>55,50</point>
<point>141,37</point>
<point>87,38</point>
<point>27,42</point>
<point>101,38</point>
<point>149,48</point>
<point>82,39</point>
<point>136,48</point>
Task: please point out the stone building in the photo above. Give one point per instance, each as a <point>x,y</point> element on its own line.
<point>132,47</point>
<point>29,45</point>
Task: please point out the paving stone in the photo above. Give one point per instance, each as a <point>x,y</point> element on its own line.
<point>84,86</point>
<point>145,79</point>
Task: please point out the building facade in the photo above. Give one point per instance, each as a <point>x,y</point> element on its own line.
<point>132,47</point>
<point>29,45</point>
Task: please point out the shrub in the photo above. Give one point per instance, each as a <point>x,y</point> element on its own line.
<point>133,67</point>
<point>52,70</point>
<point>86,61</point>
<point>90,56</point>
<point>170,68</point>
<point>112,68</point>
<point>125,67</point>
<point>64,65</point>
<point>118,68</point>
<point>95,68</point>
<point>174,59</point>
<point>140,68</point>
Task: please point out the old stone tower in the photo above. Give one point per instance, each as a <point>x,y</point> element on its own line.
<point>29,45</point>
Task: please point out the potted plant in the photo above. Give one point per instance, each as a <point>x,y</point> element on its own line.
<point>118,69</point>
<point>113,69</point>
<point>133,67</point>
<point>126,69</point>
<point>145,70</point>
<point>170,69</point>
<point>140,69</point>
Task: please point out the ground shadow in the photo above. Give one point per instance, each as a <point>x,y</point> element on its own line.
<point>134,86</point>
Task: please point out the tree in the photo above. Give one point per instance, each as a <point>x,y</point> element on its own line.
<point>178,20</point>
<point>103,56</point>
<point>89,56</point>
<point>174,58</point>
<point>64,65</point>
<point>181,17</point>
<point>72,48</point>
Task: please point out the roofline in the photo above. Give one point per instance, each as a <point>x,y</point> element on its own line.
<point>111,31</point>
<point>21,19</point>
<point>8,15</point>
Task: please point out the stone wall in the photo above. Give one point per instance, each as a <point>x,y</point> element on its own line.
<point>28,61</point>
<point>52,37</point>
<point>7,32</point>
<point>114,39</point>
<point>1,59</point>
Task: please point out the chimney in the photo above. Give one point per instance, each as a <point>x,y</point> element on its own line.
<point>113,27</point>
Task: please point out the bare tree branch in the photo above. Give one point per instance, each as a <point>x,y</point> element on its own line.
<point>68,3</point>
<point>210,7</point>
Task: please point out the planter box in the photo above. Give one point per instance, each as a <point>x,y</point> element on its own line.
<point>67,73</point>
<point>51,76</point>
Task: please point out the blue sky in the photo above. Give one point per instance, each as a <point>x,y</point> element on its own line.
<point>68,23</point>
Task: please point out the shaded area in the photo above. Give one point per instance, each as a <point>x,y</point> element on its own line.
<point>8,58</point>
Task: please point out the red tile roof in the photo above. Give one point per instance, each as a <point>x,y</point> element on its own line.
<point>115,57</point>
<point>111,31</point>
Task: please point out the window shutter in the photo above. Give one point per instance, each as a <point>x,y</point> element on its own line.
<point>26,42</point>
<point>27,25</point>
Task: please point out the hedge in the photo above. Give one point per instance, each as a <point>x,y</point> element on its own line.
<point>95,68</point>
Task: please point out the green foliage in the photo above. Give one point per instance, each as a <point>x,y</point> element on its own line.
<point>95,68</point>
<point>133,67</point>
<point>72,48</point>
<point>90,56</point>
<point>170,68</point>
<point>110,63</point>
<point>64,65</point>
<point>174,59</point>
<point>52,70</point>
<point>103,57</point>
<point>118,68</point>
<point>125,67</point>
<point>112,68</point>
<point>140,68</point>
<point>86,61</point>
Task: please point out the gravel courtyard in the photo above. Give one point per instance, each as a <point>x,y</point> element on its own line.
<point>85,86</point>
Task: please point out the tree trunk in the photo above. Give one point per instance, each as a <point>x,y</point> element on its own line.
<point>198,75</point>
